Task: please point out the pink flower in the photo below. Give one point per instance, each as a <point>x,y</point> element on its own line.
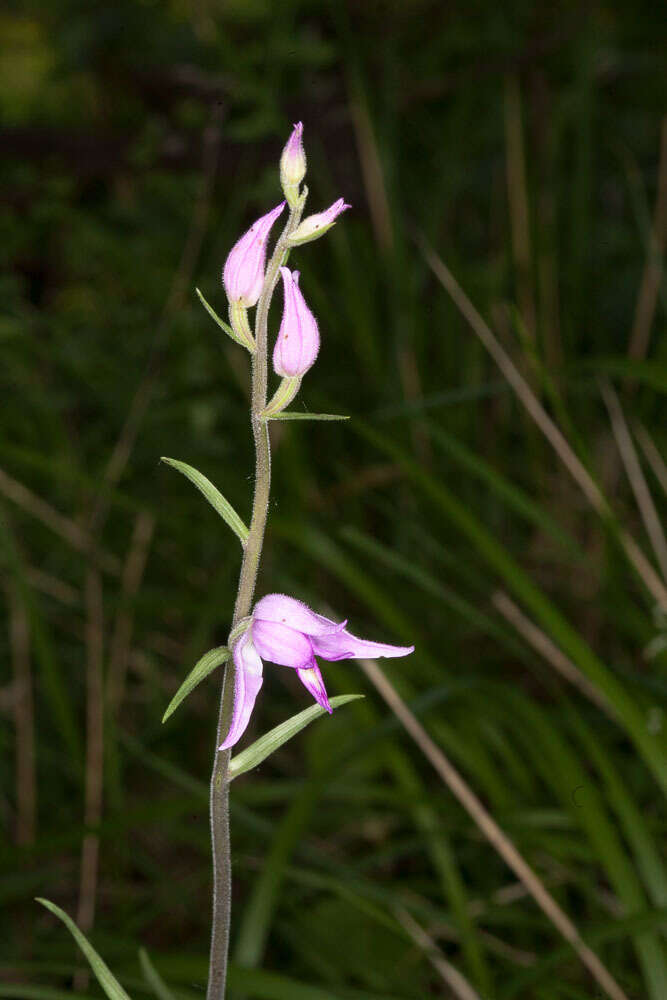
<point>298,338</point>
<point>316,225</point>
<point>293,164</point>
<point>289,633</point>
<point>243,274</point>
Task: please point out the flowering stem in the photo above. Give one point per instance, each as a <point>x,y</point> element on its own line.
<point>219,799</point>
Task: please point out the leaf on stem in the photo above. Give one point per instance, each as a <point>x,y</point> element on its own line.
<point>103,973</point>
<point>298,415</point>
<point>205,666</point>
<point>213,495</point>
<point>225,327</point>
<point>267,744</point>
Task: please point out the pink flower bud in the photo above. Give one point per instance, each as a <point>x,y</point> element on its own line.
<point>316,225</point>
<point>298,338</point>
<point>243,274</point>
<point>293,164</point>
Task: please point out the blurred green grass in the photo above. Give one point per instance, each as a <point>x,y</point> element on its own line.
<point>524,144</point>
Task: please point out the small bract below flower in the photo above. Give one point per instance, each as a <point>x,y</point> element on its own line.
<point>317,225</point>
<point>243,273</point>
<point>289,633</point>
<point>298,338</point>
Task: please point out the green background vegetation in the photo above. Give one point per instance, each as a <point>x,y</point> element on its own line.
<point>522,142</point>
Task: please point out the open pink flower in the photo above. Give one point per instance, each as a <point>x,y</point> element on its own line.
<point>243,273</point>
<point>289,633</point>
<point>298,340</point>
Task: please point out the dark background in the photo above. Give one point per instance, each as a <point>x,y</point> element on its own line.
<point>523,143</point>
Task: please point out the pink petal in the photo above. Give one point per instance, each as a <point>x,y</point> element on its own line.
<point>247,682</point>
<point>288,611</point>
<point>311,678</point>
<point>281,644</point>
<point>345,646</point>
<point>243,273</point>
<point>298,341</point>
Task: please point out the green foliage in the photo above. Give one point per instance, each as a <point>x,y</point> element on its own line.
<point>103,974</point>
<point>139,140</point>
<point>213,495</point>
<point>274,739</point>
<point>202,668</point>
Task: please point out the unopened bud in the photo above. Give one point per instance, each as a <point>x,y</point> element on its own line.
<point>243,274</point>
<point>317,225</point>
<point>293,165</point>
<point>298,338</point>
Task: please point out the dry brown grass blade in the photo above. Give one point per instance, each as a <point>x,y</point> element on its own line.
<point>488,826</point>
<point>540,416</point>
<point>114,470</point>
<point>517,194</point>
<point>24,719</point>
<point>650,284</point>
<point>636,477</point>
<point>63,526</point>
<point>541,642</point>
<point>652,455</point>
<point>94,758</point>
<point>449,974</point>
<point>372,173</point>
<point>121,639</point>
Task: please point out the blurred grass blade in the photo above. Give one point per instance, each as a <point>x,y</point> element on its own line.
<point>297,415</point>
<point>225,327</point>
<point>265,745</point>
<point>505,490</point>
<point>58,692</point>
<point>202,669</point>
<point>103,974</point>
<point>571,642</point>
<point>213,495</point>
<point>153,977</point>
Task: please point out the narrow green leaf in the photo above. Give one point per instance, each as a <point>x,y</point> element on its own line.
<point>265,745</point>
<point>104,976</point>
<point>298,415</point>
<point>225,327</point>
<point>202,669</point>
<point>213,495</point>
<point>153,977</point>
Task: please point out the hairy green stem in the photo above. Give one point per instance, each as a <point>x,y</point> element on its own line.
<point>219,800</point>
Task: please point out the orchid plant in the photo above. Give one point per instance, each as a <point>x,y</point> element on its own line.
<point>277,628</point>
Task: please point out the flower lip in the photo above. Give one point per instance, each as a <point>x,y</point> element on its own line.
<point>281,643</point>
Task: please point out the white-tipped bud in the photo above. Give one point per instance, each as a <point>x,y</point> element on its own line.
<point>317,225</point>
<point>293,165</point>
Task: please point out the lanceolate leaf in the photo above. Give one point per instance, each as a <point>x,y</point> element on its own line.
<point>202,669</point>
<point>267,744</point>
<point>221,323</point>
<point>213,495</point>
<point>105,977</point>
<point>298,415</point>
